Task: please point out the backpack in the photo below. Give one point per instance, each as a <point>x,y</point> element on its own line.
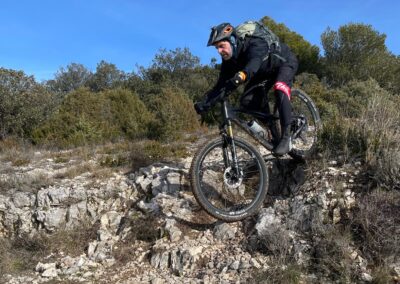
<point>258,29</point>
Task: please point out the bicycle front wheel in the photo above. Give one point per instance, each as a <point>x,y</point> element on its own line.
<point>224,191</point>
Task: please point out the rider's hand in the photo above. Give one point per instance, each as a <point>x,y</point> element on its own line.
<point>235,81</point>
<point>201,107</point>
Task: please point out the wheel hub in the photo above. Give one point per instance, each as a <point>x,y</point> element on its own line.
<point>231,178</point>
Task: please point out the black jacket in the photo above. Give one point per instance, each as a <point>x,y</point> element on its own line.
<point>256,58</point>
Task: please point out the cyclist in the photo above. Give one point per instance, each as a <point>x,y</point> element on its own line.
<point>251,60</point>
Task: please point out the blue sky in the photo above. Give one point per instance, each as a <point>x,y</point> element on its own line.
<point>41,36</point>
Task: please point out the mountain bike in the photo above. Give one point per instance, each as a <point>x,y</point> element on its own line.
<point>228,175</point>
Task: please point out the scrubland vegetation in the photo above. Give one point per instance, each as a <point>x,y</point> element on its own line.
<point>355,84</point>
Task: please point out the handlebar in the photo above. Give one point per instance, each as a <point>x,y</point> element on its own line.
<point>220,97</point>
<point>223,94</point>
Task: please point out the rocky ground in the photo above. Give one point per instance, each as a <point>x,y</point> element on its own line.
<point>150,229</point>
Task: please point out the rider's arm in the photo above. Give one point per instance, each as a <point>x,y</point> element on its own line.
<point>226,73</point>
<point>256,53</point>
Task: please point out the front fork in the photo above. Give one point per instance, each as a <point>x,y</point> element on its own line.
<point>229,144</point>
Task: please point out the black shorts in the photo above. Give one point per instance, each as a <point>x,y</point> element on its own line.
<point>257,99</point>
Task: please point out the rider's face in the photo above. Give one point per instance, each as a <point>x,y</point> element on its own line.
<point>224,49</point>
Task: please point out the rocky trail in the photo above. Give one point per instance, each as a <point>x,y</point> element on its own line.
<point>150,229</point>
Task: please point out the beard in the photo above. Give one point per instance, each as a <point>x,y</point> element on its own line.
<point>226,56</point>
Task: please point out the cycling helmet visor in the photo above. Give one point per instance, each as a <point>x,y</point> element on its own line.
<point>220,32</point>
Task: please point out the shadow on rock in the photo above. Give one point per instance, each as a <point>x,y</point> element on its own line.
<point>286,176</point>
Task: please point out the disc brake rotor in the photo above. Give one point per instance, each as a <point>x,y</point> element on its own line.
<point>231,179</point>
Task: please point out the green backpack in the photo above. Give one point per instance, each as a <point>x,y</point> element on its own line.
<point>258,29</point>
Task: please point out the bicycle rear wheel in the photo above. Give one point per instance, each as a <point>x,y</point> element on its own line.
<point>305,125</point>
<point>225,192</point>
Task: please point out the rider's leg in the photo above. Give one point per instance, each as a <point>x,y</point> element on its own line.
<point>282,88</point>
<point>252,100</point>
<point>285,115</point>
<point>257,99</point>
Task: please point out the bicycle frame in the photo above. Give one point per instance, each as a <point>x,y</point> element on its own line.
<point>230,116</point>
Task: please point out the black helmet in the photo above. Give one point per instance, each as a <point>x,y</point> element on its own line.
<point>220,32</point>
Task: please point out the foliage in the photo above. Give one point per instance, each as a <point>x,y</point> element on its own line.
<point>170,65</point>
<point>307,54</point>
<point>68,79</point>
<point>174,114</point>
<point>358,52</point>
<point>320,93</point>
<point>74,76</point>
<point>87,117</point>
<point>23,103</point>
<point>380,132</point>
<point>178,68</point>
<point>361,118</point>
<point>107,76</point>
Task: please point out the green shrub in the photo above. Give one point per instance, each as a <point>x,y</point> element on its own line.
<point>320,94</point>
<point>362,119</point>
<point>86,117</point>
<point>380,129</point>
<point>347,101</point>
<point>358,95</point>
<point>23,103</point>
<point>339,135</point>
<point>129,114</point>
<point>174,114</point>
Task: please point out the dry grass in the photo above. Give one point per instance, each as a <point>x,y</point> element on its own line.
<point>382,275</point>
<point>330,256</point>
<point>75,171</point>
<point>290,274</point>
<point>276,243</point>
<point>22,253</point>
<point>374,136</point>
<point>381,131</point>
<point>376,225</point>
<point>25,182</point>
<point>142,229</point>
<point>18,152</point>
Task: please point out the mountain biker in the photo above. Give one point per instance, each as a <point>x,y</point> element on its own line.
<point>252,60</point>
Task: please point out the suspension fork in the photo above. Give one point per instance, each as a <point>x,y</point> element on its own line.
<point>229,141</point>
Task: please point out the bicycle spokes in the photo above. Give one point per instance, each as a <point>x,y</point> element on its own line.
<point>231,188</point>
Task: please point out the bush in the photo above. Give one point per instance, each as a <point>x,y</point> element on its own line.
<point>340,135</point>
<point>129,114</point>
<point>148,152</point>
<point>348,101</point>
<point>376,226</point>
<point>358,95</point>
<point>361,118</point>
<point>23,104</point>
<point>321,95</point>
<point>331,253</point>
<point>358,52</point>
<point>174,114</point>
<point>86,117</point>
<point>380,131</point>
